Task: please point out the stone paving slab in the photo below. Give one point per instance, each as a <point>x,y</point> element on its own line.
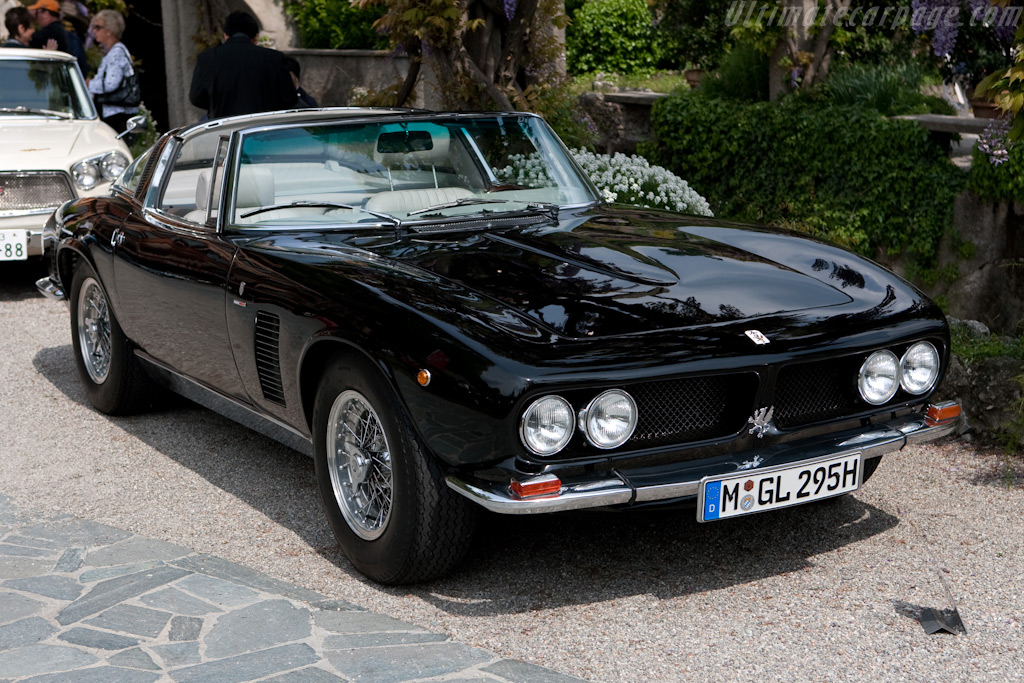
<point>83,602</point>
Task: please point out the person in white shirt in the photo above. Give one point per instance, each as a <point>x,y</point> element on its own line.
<point>106,28</point>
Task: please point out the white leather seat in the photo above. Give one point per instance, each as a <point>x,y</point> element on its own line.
<point>255,188</point>
<point>198,215</point>
<point>409,200</point>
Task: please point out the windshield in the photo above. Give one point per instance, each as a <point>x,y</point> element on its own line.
<point>403,172</point>
<point>43,87</point>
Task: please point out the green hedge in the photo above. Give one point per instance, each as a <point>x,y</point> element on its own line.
<point>336,25</point>
<point>611,36</point>
<point>1005,181</point>
<point>873,184</point>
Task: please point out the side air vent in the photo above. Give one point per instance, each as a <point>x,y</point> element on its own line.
<point>268,359</point>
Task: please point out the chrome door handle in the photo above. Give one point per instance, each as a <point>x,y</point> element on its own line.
<point>117,237</point>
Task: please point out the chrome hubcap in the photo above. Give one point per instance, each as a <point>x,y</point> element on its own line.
<point>94,330</point>
<point>359,460</point>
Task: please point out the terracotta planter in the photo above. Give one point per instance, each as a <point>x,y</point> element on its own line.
<point>694,77</point>
<point>983,109</point>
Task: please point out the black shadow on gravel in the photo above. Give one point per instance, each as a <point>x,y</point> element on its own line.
<point>18,281</point>
<point>518,563</point>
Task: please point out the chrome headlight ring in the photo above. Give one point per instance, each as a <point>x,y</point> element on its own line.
<point>609,420</point>
<point>547,425</point>
<point>919,368</point>
<point>879,377</point>
<point>108,166</point>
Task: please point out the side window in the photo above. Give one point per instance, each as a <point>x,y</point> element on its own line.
<point>129,180</point>
<point>189,190</point>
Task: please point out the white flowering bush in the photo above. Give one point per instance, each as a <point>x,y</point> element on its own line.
<point>632,180</point>
<point>620,178</point>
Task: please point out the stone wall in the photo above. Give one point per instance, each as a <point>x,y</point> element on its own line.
<point>328,75</point>
<point>990,286</point>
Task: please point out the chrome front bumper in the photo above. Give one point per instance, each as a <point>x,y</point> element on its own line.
<point>620,488</point>
<point>50,288</point>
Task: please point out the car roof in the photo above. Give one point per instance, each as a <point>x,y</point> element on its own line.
<point>325,114</point>
<point>13,53</point>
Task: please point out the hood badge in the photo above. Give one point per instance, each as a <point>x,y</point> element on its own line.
<point>761,420</point>
<point>757,337</point>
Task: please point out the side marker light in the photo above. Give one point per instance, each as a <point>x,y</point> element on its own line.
<point>545,484</point>
<point>939,413</point>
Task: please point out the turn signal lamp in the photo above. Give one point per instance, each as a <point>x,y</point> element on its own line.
<point>545,484</point>
<point>939,413</point>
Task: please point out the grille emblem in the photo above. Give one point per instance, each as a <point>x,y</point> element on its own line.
<point>761,420</point>
<point>751,464</point>
<point>757,337</point>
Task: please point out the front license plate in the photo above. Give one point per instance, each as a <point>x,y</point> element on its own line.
<point>13,245</point>
<point>748,492</point>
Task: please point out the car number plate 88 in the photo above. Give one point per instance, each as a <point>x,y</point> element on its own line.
<point>745,493</point>
<point>13,245</point>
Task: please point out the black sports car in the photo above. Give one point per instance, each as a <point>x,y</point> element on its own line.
<point>444,313</point>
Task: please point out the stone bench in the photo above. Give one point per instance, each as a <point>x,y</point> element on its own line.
<point>941,123</point>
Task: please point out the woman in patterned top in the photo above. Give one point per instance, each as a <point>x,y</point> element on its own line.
<point>106,28</point>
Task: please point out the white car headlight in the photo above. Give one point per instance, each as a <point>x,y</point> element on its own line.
<point>547,425</point>
<point>112,165</point>
<point>919,368</point>
<point>610,419</point>
<point>108,166</point>
<point>879,377</point>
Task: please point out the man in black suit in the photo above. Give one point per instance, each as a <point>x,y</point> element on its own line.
<point>240,77</point>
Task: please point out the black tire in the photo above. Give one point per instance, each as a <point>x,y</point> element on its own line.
<point>387,502</point>
<point>113,380</point>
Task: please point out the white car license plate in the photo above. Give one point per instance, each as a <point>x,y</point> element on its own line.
<point>745,493</point>
<point>13,245</point>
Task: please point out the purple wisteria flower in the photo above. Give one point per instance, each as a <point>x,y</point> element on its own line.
<point>936,16</point>
<point>510,9</point>
<point>995,141</point>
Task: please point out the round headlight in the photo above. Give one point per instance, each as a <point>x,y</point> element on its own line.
<point>86,175</point>
<point>547,425</point>
<point>610,419</point>
<point>919,368</point>
<point>879,377</point>
<point>112,165</point>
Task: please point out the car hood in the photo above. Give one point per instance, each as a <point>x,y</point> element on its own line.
<point>615,271</point>
<point>611,272</point>
<point>32,143</point>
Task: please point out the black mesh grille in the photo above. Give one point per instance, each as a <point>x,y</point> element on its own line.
<point>28,191</point>
<point>691,409</point>
<point>268,361</point>
<point>812,392</point>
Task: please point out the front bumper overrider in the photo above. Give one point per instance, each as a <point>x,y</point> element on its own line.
<point>681,482</point>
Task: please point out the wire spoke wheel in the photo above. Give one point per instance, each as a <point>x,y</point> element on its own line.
<point>94,330</point>
<point>359,462</point>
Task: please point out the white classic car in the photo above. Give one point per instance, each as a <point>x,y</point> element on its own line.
<point>53,146</point>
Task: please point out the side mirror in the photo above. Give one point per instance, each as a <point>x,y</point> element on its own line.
<point>135,122</point>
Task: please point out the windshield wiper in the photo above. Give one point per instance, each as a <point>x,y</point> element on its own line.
<point>34,110</point>
<point>465,201</point>
<point>320,205</point>
<point>545,207</point>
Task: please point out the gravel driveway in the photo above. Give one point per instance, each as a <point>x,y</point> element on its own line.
<point>820,593</point>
